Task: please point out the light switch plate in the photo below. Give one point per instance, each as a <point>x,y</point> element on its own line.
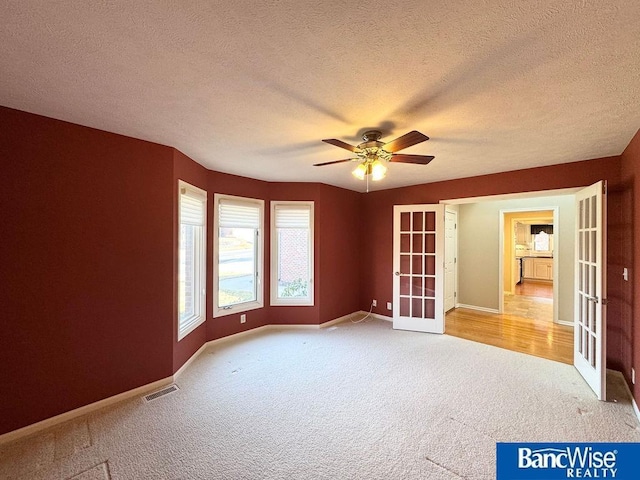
<point>625,274</point>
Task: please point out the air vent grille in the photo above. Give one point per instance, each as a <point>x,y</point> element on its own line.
<point>160,393</point>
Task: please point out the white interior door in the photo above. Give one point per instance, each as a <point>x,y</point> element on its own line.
<point>450,221</point>
<point>590,279</point>
<point>418,266</point>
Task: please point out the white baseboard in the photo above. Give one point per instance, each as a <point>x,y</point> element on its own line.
<point>298,326</point>
<point>479,309</point>
<point>380,317</point>
<point>341,319</point>
<point>189,361</point>
<point>150,387</point>
<point>626,386</point>
<point>71,414</point>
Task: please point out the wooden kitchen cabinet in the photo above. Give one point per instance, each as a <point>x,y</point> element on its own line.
<point>521,233</point>
<point>527,267</point>
<point>538,268</point>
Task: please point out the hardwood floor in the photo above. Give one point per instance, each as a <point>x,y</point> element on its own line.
<point>535,289</point>
<point>526,335</point>
<point>535,308</point>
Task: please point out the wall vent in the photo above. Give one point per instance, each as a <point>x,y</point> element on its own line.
<point>152,396</point>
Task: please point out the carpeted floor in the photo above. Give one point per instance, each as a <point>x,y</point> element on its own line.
<point>354,401</point>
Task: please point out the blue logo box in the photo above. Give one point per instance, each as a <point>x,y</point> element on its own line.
<point>550,461</point>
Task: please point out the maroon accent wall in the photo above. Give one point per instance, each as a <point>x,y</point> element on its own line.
<point>243,187</point>
<point>340,259</point>
<point>378,213</point>
<point>278,191</point>
<point>336,256</point>
<point>88,262</point>
<point>195,174</point>
<point>629,223</point>
<point>86,266</point>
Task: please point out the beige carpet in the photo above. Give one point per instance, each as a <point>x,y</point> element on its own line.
<point>356,401</point>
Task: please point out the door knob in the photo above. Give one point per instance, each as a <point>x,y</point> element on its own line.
<point>397,274</point>
<point>592,299</point>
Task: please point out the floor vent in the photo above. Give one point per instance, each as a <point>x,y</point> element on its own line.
<point>152,396</point>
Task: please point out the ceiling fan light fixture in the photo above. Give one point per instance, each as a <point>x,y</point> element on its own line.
<point>378,171</point>
<point>372,155</point>
<point>360,171</point>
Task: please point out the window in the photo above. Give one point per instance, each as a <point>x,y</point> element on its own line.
<point>237,273</point>
<point>542,237</point>
<point>192,215</point>
<point>291,253</point>
<point>542,242</point>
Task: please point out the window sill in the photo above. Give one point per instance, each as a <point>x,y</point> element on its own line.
<point>291,303</point>
<point>243,307</point>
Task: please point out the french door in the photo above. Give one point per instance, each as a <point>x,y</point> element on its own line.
<point>418,266</point>
<point>590,324</point>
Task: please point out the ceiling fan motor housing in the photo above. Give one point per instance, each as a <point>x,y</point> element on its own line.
<point>371,139</point>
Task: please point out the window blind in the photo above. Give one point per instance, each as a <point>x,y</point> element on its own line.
<point>192,208</point>
<point>292,216</point>
<point>238,214</point>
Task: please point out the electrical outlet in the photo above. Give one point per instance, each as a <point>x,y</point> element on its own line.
<point>374,302</point>
<point>633,375</point>
<point>243,318</point>
<point>389,306</point>
<point>625,274</point>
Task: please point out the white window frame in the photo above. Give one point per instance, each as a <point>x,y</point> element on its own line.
<point>188,325</point>
<point>275,300</point>
<point>259,302</point>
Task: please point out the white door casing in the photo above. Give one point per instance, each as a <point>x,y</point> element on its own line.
<point>450,226</point>
<point>418,268</point>
<point>590,323</point>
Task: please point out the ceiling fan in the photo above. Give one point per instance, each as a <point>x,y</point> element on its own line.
<point>373,154</point>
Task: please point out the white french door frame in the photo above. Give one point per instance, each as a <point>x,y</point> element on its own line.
<point>590,309</point>
<point>451,247</point>
<point>418,268</point>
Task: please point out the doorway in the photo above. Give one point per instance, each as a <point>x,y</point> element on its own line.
<point>530,253</point>
<point>482,266</point>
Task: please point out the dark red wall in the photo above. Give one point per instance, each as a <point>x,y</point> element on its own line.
<point>378,213</point>
<point>629,223</point>
<point>90,266</point>
<point>243,187</point>
<point>86,266</point>
<point>88,262</point>
<point>340,260</point>
<point>195,174</point>
<point>303,192</point>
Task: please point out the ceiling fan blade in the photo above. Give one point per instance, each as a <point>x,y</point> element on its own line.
<point>418,159</point>
<point>335,161</point>
<point>341,144</point>
<point>405,141</point>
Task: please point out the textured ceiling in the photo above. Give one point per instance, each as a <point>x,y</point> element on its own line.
<point>251,87</point>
